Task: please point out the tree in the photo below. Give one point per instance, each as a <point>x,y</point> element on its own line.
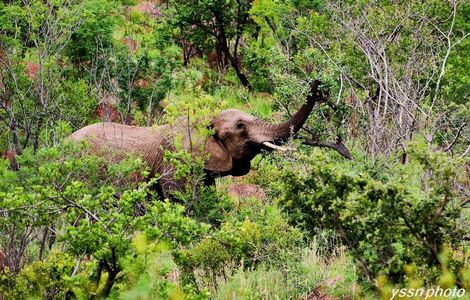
<point>220,23</point>
<point>35,94</point>
<point>389,66</point>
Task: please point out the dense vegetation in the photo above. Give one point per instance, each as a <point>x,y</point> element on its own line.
<point>73,226</point>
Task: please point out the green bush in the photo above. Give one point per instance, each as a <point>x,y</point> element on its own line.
<point>95,33</point>
<point>387,225</point>
<point>89,210</point>
<point>251,235</point>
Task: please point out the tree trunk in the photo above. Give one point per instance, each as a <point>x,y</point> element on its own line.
<point>109,283</point>
<point>37,134</point>
<point>234,63</point>
<point>240,74</point>
<point>233,59</point>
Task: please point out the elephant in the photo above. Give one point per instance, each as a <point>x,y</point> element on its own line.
<point>237,138</point>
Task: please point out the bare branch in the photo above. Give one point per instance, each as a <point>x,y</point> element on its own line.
<point>338,146</point>
<point>457,135</point>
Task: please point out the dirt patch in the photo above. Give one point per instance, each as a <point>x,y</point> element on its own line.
<point>244,190</point>
<point>148,8</point>
<point>319,294</point>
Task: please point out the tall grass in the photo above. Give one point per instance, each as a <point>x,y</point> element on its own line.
<point>321,267</point>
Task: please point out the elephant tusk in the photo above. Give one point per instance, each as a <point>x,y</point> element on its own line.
<point>276,147</point>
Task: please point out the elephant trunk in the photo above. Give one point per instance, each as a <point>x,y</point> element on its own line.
<point>281,132</point>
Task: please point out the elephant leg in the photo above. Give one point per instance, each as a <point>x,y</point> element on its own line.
<point>157,189</point>
<point>209,179</point>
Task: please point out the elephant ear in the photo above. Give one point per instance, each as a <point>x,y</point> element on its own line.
<point>219,158</point>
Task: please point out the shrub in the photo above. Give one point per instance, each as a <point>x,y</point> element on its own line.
<point>64,199</point>
<point>95,33</point>
<point>250,236</point>
<point>387,225</point>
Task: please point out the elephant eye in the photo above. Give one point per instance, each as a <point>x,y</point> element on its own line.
<point>240,125</point>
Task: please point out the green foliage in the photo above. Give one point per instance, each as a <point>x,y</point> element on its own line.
<point>50,279</point>
<point>251,235</point>
<point>294,276</point>
<point>388,225</point>
<point>13,23</point>
<point>446,277</point>
<point>207,13</point>
<point>147,273</point>
<point>94,210</point>
<point>95,33</point>
<point>39,95</point>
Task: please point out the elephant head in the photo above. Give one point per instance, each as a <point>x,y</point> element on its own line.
<point>239,137</point>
